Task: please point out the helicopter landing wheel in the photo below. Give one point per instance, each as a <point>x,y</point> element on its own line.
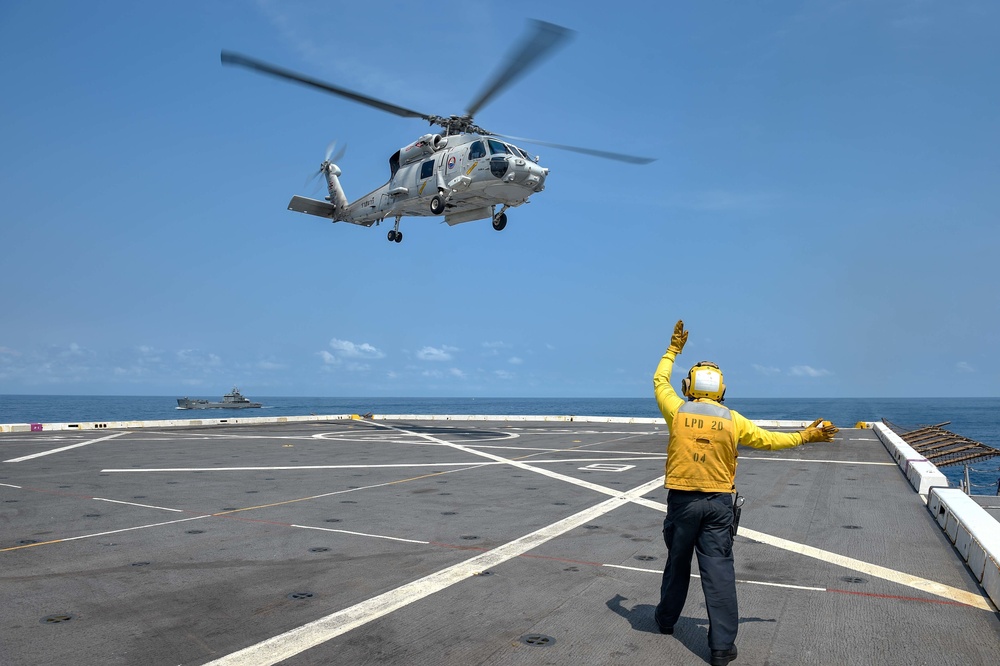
<point>399,237</point>
<point>391,235</point>
<point>437,205</point>
<point>500,221</point>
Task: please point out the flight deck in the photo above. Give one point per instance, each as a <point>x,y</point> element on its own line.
<point>455,541</point>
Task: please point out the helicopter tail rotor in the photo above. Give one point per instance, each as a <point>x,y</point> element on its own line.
<point>330,159</point>
<point>340,153</point>
<point>331,171</point>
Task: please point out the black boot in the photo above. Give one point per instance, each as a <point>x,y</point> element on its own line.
<point>723,657</point>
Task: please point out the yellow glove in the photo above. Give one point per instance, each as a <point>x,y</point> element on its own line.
<point>819,431</point>
<point>679,338</point>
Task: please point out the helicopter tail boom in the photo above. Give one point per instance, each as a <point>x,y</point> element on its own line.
<point>336,203</point>
<point>336,196</point>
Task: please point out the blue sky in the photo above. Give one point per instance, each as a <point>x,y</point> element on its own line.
<point>822,212</point>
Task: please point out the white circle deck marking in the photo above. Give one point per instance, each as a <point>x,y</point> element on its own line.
<point>404,437</point>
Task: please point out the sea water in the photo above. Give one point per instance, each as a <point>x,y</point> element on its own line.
<point>975,418</point>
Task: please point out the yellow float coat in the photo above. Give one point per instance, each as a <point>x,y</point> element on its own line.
<point>701,453</point>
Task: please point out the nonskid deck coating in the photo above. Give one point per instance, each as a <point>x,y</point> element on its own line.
<point>459,542</point>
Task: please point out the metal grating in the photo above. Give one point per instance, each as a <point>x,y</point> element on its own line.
<point>943,447</point>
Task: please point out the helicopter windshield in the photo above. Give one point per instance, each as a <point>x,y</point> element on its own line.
<point>518,151</point>
<point>497,148</point>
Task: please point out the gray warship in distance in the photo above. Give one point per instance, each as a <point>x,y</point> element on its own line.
<point>232,400</point>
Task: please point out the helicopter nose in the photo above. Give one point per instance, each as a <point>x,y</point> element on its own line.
<point>536,177</point>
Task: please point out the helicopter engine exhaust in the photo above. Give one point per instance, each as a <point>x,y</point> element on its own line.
<point>428,144</point>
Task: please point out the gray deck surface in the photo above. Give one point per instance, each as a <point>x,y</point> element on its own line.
<point>184,546</point>
<point>991,504</point>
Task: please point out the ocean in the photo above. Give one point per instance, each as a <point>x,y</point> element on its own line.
<point>975,418</point>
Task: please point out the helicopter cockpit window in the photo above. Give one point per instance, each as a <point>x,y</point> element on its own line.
<point>518,151</point>
<point>477,150</point>
<point>497,148</point>
<point>394,164</point>
<point>427,169</point>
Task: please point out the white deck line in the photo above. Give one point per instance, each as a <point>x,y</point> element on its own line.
<point>64,448</point>
<point>314,418</point>
<point>286,645</point>
<point>923,475</point>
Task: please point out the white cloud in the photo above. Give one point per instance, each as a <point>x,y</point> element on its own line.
<point>443,353</point>
<point>514,360</point>
<point>493,348</point>
<point>149,355</point>
<point>503,374</point>
<point>807,371</point>
<point>348,349</point>
<point>455,372</point>
<point>75,351</point>
<point>963,366</point>
<point>794,371</point>
<point>331,360</point>
<point>197,358</point>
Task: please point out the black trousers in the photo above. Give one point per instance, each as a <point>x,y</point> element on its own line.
<point>700,523</point>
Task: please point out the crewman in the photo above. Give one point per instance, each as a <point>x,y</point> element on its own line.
<point>701,482</point>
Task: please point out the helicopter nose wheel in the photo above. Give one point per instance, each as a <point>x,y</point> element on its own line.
<point>500,219</point>
<point>437,205</point>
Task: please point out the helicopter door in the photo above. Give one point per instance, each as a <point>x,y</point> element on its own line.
<point>426,178</point>
<point>385,205</point>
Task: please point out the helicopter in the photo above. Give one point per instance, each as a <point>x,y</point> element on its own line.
<point>463,172</point>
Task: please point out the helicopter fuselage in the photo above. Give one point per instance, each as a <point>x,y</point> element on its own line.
<point>460,176</point>
<point>463,173</point>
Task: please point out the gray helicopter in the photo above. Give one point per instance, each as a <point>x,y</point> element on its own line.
<point>463,172</point>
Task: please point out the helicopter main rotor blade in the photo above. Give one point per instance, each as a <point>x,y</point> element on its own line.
<point>230,58</point>
<point>530,52</point>
<point>620,157</point>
